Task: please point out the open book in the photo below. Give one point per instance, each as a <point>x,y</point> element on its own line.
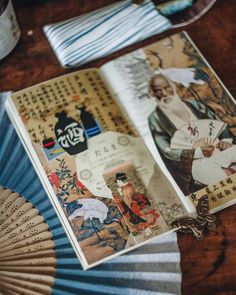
<point>124,150</point>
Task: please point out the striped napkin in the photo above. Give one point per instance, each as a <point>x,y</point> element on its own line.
<point>88,37</point>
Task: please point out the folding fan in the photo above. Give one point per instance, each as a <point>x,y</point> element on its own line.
<point>197,134</point>
<point>27,251</point>
<point>152,269</point>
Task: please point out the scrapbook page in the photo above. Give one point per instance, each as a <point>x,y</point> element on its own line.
<point>185,115</point>
<point>124,150</point>
<point>104,184</point>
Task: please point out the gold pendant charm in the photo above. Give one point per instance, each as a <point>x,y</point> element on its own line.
<point>197,225</point>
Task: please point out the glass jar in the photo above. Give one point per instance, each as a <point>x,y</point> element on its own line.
<point>9,29</point>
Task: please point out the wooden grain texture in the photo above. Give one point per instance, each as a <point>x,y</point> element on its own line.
<point>208,266</point>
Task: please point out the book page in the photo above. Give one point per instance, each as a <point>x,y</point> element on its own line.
<point>101,179</point>
<point>184,114</point>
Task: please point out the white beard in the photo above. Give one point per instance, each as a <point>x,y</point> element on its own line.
<point>176,111</point>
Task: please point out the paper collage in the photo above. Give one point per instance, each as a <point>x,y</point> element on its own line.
<point>79,134</point>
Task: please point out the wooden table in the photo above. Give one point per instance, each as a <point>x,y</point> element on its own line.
<point>208,266</point>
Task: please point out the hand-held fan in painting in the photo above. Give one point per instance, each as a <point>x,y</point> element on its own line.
<point>27,251</point>
<point>197,134</point>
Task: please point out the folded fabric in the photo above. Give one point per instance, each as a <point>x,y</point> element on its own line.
<point>151,269</point>
<point>97,34</point>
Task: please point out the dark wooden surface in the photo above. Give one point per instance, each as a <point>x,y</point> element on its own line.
<point>208,266</point>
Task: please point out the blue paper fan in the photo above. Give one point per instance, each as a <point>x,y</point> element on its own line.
<point>151,269</point>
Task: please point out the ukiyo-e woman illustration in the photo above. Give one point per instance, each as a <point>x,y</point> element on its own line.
<point>62,129</point>
<point>97,222</point>
<point>132,199</point>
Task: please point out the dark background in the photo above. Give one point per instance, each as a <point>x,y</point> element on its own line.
<point>208,266</point>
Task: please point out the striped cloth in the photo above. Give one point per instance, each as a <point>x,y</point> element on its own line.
<point>97,34</point>
<point>149,270</point>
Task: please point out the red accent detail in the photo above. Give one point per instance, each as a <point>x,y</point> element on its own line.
<point>229,171</point>
<point>54,179</point>
<point>80,185</point>
<point>48,144</point>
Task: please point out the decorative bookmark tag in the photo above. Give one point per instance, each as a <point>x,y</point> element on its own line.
<point>197,225</point>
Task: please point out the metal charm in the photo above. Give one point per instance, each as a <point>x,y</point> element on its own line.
<point>196,225</point>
